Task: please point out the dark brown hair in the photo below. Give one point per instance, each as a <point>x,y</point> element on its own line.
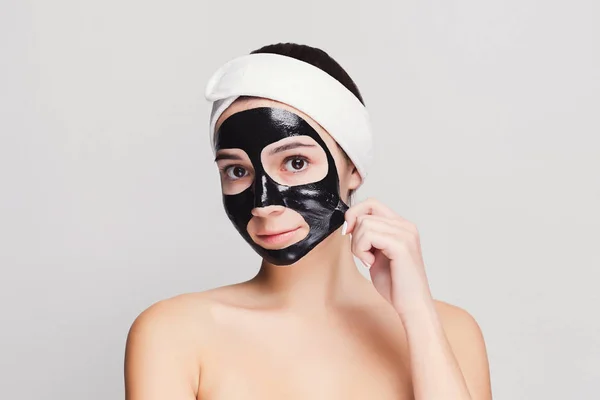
<point>321,60</point>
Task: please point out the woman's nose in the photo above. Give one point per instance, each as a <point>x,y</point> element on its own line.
<point>266,192</point>
<point>267,211</point>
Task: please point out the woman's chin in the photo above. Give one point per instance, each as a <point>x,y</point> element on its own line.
<point>281,241</point>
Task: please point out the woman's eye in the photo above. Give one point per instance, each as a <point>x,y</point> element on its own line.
<point>235,172</point>
<point>296,164</point>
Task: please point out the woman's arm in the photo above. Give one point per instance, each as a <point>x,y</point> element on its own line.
<point>160,358</point>
<point>447,352</point>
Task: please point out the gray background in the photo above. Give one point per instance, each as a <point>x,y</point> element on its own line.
<point>486,121</point>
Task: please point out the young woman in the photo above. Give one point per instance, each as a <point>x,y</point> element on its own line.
<point>292,143</point>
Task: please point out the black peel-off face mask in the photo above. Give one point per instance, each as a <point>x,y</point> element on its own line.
<point>319,202</point>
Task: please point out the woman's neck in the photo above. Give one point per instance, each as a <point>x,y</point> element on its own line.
<point>327,276</point>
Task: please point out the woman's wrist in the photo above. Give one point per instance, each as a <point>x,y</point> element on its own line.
<point>418,310</point>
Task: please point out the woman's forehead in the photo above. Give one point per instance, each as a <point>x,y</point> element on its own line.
<point>256,128</point>
<point>247,103</point>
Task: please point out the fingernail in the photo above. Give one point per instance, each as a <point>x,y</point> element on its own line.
<point>344,227</point>
<point>367,265</point>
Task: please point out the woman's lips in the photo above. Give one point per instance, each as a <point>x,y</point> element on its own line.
<point>278,237</point>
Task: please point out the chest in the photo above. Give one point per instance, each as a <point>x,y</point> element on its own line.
<point>342,360</point>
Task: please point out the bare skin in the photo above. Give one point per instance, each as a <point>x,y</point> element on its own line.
<point>314,330</point>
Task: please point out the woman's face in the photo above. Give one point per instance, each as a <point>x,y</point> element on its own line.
<point>289,161</point>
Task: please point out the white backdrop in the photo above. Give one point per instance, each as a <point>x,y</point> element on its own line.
<point>486,121</point>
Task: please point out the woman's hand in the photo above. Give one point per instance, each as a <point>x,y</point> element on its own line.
<point>390,247</point>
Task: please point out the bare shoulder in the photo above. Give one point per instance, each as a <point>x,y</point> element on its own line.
<point>168,316</point>
<point>165,344</point>
<point>468,345</point>
<point>184,314</point>
<point>460,326</point>
<point>454,317</point>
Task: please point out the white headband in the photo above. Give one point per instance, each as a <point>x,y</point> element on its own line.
<point>302,86</point>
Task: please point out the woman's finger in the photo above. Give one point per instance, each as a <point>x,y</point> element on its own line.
<point>370,206</point>
<point>363,244</point>
<point>369,224</point>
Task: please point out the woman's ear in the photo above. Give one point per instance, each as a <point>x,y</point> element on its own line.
<point>355,179</point>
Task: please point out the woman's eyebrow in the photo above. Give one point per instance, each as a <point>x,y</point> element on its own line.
<point>289,146</point>
<point>226,156</point>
